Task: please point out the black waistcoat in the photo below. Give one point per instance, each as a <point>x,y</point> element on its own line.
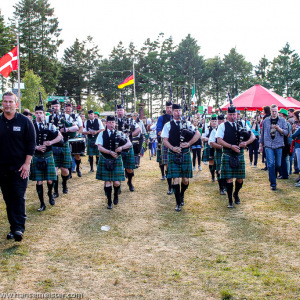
<point>55,119</point>
<point>42,135</point>
<point>109,142</point>
<point>166,119</point>
<point>174,134</point>
<point>93,126</point>
<point>230,134</point>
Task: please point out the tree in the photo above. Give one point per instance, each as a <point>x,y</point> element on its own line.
<point>39,40</point>
<point>7,42</point>
<point>261,72</point>
<point>284,74</point>
<point>30,95</point>
<point>238,72</point>
<point>79,63</point>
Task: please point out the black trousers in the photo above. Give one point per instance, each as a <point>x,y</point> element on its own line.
<point>196,153</point>
<point>13,188</point>
<point>253,148</point>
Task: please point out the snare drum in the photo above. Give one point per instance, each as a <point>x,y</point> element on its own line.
<point>77,146</point>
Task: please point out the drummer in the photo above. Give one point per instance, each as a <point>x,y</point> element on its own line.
<point>78,122</point>
<point>92,127</point>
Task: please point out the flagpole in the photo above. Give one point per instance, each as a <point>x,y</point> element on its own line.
<point>134,94</point>
<point>19,80</point>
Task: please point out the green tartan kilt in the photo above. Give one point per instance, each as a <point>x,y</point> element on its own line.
<point>218,159</point>
<point>91,150</point>
<point>64,160</point>
<point>206,152</point>
<point>129,160</point>
<point>164,155</point>
<point>180,171</point>
<point>117,174</point>
<point>158,153</point>
<point>48,174</point>
<point>226,171</point>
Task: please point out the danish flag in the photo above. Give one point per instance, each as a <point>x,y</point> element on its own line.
<point>9,62</point>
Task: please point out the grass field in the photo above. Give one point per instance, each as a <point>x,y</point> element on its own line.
<point>152,252</point>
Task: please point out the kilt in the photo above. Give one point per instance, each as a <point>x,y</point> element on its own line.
<point>117,174</point>
<point>206,152</point>
<point>129,160</point>
<point>164,155</point>
<point>64,160</point>
<point>91,150</point>
<point>48,174</point>
<point>226,171</point>
<point>158,153</point>
<point>183,170</point>
<point>218,159</point>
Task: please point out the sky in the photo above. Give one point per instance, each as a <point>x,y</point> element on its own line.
<point>256,28</point>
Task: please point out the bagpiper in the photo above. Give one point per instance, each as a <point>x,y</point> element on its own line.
<point>179,155</point>
<point>110,167</point>
<point>42,166</point>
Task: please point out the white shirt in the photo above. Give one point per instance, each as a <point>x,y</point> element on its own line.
<point>212,137</point>
<point>167,127</point>
<point>101,127</point>
<point>221,129</point>
<point>99,140</point>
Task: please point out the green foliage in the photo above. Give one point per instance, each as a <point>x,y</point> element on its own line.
<point>92,103</point>
<point>39,40</point>
<point>30,95</point>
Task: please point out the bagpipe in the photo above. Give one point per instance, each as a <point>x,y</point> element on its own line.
<point>243,134</point>
<point>120,140</point>
<point>186,131</point>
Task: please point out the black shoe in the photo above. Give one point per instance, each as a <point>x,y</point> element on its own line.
<point>109,206</point>
<point>222,192</point>
<point>236,199</point>
<point>91,170</point>
<point>296,172</point>
<point>273,188</point>
<point>170,192</point>
<point>73,171</point>
<point>116,199</point>
<point>10,236</point>
<point>178,208</point>
<point>18,235</point>
<point>131,187</point>
<point>42,208</point>
<point>65,190</point>
<point>264,169</point>
<point>51,201</point>
<point>182,201</point>
<point>79,173</point>
<point>230,205</point>
<point>55,195</point>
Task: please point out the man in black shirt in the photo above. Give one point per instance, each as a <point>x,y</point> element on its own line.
<point>17,147</point>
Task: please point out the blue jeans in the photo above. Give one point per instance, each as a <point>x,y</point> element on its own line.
<point>273,162</point>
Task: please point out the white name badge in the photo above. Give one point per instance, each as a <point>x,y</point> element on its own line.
<point>16,128</point>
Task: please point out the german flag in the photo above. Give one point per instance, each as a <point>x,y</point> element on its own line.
<point>128,81</point>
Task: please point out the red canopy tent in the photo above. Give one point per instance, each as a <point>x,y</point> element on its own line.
<point>293,100</point>
<point>257,97</point>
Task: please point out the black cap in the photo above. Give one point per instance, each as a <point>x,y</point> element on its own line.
<point>54,102</point>
<point>231,109</point>
<point>176,106</point>
<point>110,118</point>
<point>168,103</point>
<point>68,104</point>
<point>26,113</point>
<point>120,106</point>
<point>90,111</point>
<point>221,117</point>
<point>214,117</point>
<point>39,107</point>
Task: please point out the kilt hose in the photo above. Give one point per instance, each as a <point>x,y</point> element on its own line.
<point>228,172</point>
<point>64,160</point>
<point>129,160</point>
<point>92,150</point>
<point>48,174</point>
<point>218,159</point>
<point>206,152</point>
<point>117,174</point>
<point>180,171</point>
